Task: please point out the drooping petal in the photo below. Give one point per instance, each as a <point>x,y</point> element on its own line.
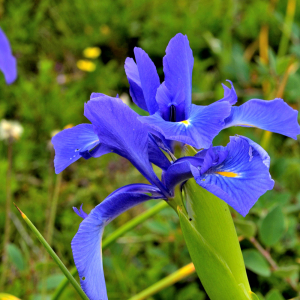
<point>86,244</point>
<point>178,67</point>
<point>8,63</point>
<point>204,123</point>
<point>241,178</point>
<point>148,77</point>
<point>273,115</point>
<point>261,151</point>
<point>120,131</point>
<point>229,94</point>
<point>70,144</point>
<point>135,86</point>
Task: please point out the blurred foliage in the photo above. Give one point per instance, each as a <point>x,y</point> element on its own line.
<point>228,41</point>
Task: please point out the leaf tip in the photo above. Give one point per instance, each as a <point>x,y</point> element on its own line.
<point>22,214</point>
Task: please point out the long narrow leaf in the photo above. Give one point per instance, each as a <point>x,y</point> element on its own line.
<point>54,256</point>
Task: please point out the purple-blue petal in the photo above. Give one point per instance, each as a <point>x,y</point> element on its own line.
<point>120,131</point>
<point>156,156</point>
<point>148,78</point>
<point>86,244</point>
<point>229,94</point>
<point>180,171</point>
<point>204,123</point>
<point>273,115</point>
<point>70,143</point>
<point>135,86</point>
<point>178,67</point>
<point>8,63</point>
<point>241,178</point>
<point>81,213</point>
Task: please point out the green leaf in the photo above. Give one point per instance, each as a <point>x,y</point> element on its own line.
<point>212,219</point>
<point>272,227</point>
<point>255,262</point>
<point>52,281</point>
<point>245,228</point>
<point>287,271</point>
<point>254,296</point>
<point>214,273</point>
<point>16,256</point>
<point>274,295</point>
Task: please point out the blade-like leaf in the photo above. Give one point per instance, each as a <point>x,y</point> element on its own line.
<point>211,217</point>
<point>214,273</point>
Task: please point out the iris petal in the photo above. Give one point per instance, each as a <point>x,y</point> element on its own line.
<point>178,67</point>
<point>274,115</point>
<point>148,77</point>
<point>8,63</point>
<point>143,80</point>
<point>229,94</point>
<point>204,123</point>
<point>241,178</point>
<point>69,143</point>
<point>156,156</point>
<point>86,244</point>
<point>120,131</point>
<point>135,86</point>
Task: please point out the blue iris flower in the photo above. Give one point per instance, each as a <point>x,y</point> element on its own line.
<point>174,116</point>
<point>8,63</point>
<point>238,173</point>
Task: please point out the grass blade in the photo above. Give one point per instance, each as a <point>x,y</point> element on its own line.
<point>54,256</point>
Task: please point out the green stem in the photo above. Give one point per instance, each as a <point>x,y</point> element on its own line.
<point>54,256</point>
<point>50,228</point>
<point>7,213</point>
<point>287,28</point>
<point>111,238</point>
<point>165,282</point>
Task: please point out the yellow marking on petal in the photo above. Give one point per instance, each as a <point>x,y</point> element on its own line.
<point>227,174</point>
<point>86,65</point>
<point>185,122</point>
<point>92,52</point>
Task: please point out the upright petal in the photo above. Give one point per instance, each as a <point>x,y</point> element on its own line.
<point>171,107</point>
<point>273,115</point>
<point>8,63</point>
<point>229,94</point>
<point>86,244</point>
<point>119,129</point>
<point>135,86</point>
<point>71,144</point>
<point>241,178</point>
<point>204,123</point>
<point>148,77</point>
<point>178,67</point>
